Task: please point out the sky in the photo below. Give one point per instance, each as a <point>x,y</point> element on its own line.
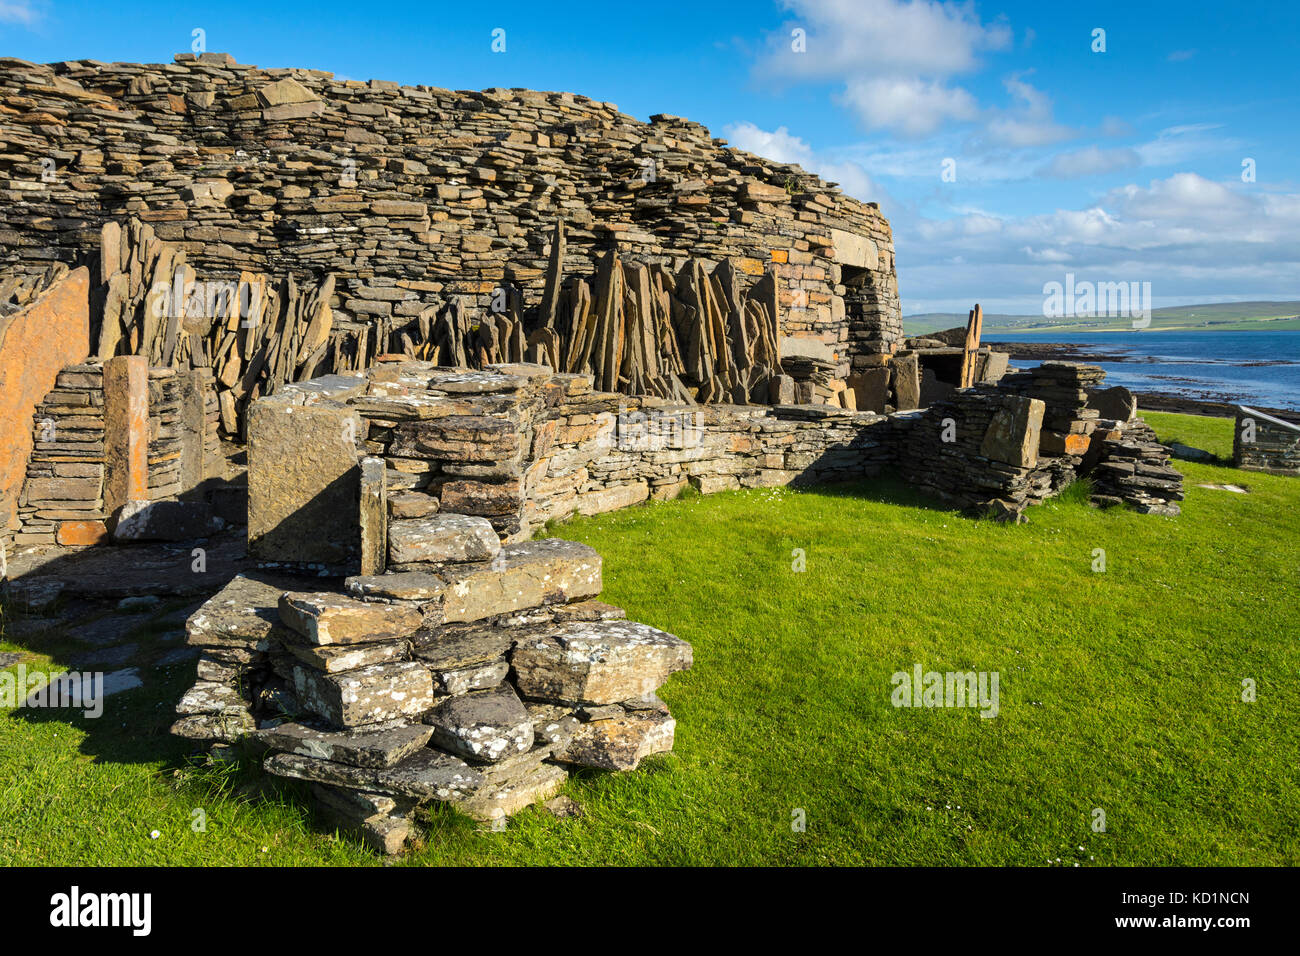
<point>1009,143</point>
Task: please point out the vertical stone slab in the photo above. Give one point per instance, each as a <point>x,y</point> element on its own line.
<point>35,344</point>
<point>303,482</point>
<point>374,516</point>
<point>907,383</point>
<point>126,431</point>
<point>190,384</point>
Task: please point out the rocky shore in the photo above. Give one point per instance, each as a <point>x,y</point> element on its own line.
<point>1148,401</point>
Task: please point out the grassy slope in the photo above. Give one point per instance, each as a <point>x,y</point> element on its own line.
<point>1119,690</point>
<point>1225,317</point>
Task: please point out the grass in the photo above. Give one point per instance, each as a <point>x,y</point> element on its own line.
<point>1119,690</point>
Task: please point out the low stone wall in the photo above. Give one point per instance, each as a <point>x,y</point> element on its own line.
<point>520,445</point>
<point>1263,443</point>
<point>476,680</point>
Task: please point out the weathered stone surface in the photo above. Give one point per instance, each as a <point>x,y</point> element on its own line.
<point>375,819</point>
<point>871,388</point>
<point>552,723</point>
<point>401,586</point>
<point>1014,433</point>
<point>528,574</point>
<point>619,743</point>
<point>442,538</point>
<point>81,533</point>
<point>441,650</point>
<point>303,482</point>
<point>365,696</point>
<point>336,658</point>
<point>384,747</point>
<point>497,802</point>
<point>211,698</point>
<point>412,504</point>
<point>481,497</point>
<point>431,775</point>
<point>598,663</point>
<point>227,727</point>
<point>588,611</point>
<point>244,614</point>
<point>324,617</point>
<point>126,431</point>
<point>485,725</point>
<point>907,382</point>
<point>373,516</point>
<point>162,521</point>
<point>474,677</point>
<point>316,770</point>
<point>1116,403</point>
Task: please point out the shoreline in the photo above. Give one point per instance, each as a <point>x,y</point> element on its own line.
<point>1150,401</point>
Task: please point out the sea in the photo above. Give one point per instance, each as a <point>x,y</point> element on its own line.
<point>1243,368</point>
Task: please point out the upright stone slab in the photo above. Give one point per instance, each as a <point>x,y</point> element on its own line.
<point>907,383</point>
<point>374,516</point>
<point>1014,433</point>
<point>190,382</point>
<point>126,431</point>
<point>303,482</point>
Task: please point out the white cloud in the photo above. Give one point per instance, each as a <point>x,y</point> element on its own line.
<point>1191,237</point>
<point>784,147</point>
<point>894,58</point>
<point>22,12</point>
<point>855,38</point>
<point>1090,161</point>
<point>1178,56</point>
<point>1179,144</point>
<point>1029,123</point>
<point>912,107</point>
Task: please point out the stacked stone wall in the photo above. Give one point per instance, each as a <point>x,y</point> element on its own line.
<point>413,195</point>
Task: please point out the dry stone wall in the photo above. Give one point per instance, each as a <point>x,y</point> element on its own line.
<point>352,471</point>
<point>68,498</point>
<point>1261,442</point>
<point>414,195</point>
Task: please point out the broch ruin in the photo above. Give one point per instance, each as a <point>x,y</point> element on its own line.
<point>388,333</point>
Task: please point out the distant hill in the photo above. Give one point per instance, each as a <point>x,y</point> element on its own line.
<point>1222,316</point>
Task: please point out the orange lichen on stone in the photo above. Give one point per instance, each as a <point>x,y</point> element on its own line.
<point>35,344</point>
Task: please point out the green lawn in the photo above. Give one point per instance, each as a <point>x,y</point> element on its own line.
<point>1119,691</point>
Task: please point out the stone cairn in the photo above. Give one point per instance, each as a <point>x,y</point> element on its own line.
<point>474,678</point>
<point>1133,468</point>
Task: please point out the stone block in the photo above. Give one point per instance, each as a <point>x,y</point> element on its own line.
<point>486,725</point>
<point>1013,434</point>
<point>442,538</point>
<point>303,482</point>
<point>597,662</point>
<point>369,695</point>
<point>620,742</point>
<point>526,575</point>
<point>324,617</point>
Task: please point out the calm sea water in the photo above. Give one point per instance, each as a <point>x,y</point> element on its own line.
<point>1261,368</point>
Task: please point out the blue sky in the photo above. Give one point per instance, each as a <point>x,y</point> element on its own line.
<point>1122,165</point>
